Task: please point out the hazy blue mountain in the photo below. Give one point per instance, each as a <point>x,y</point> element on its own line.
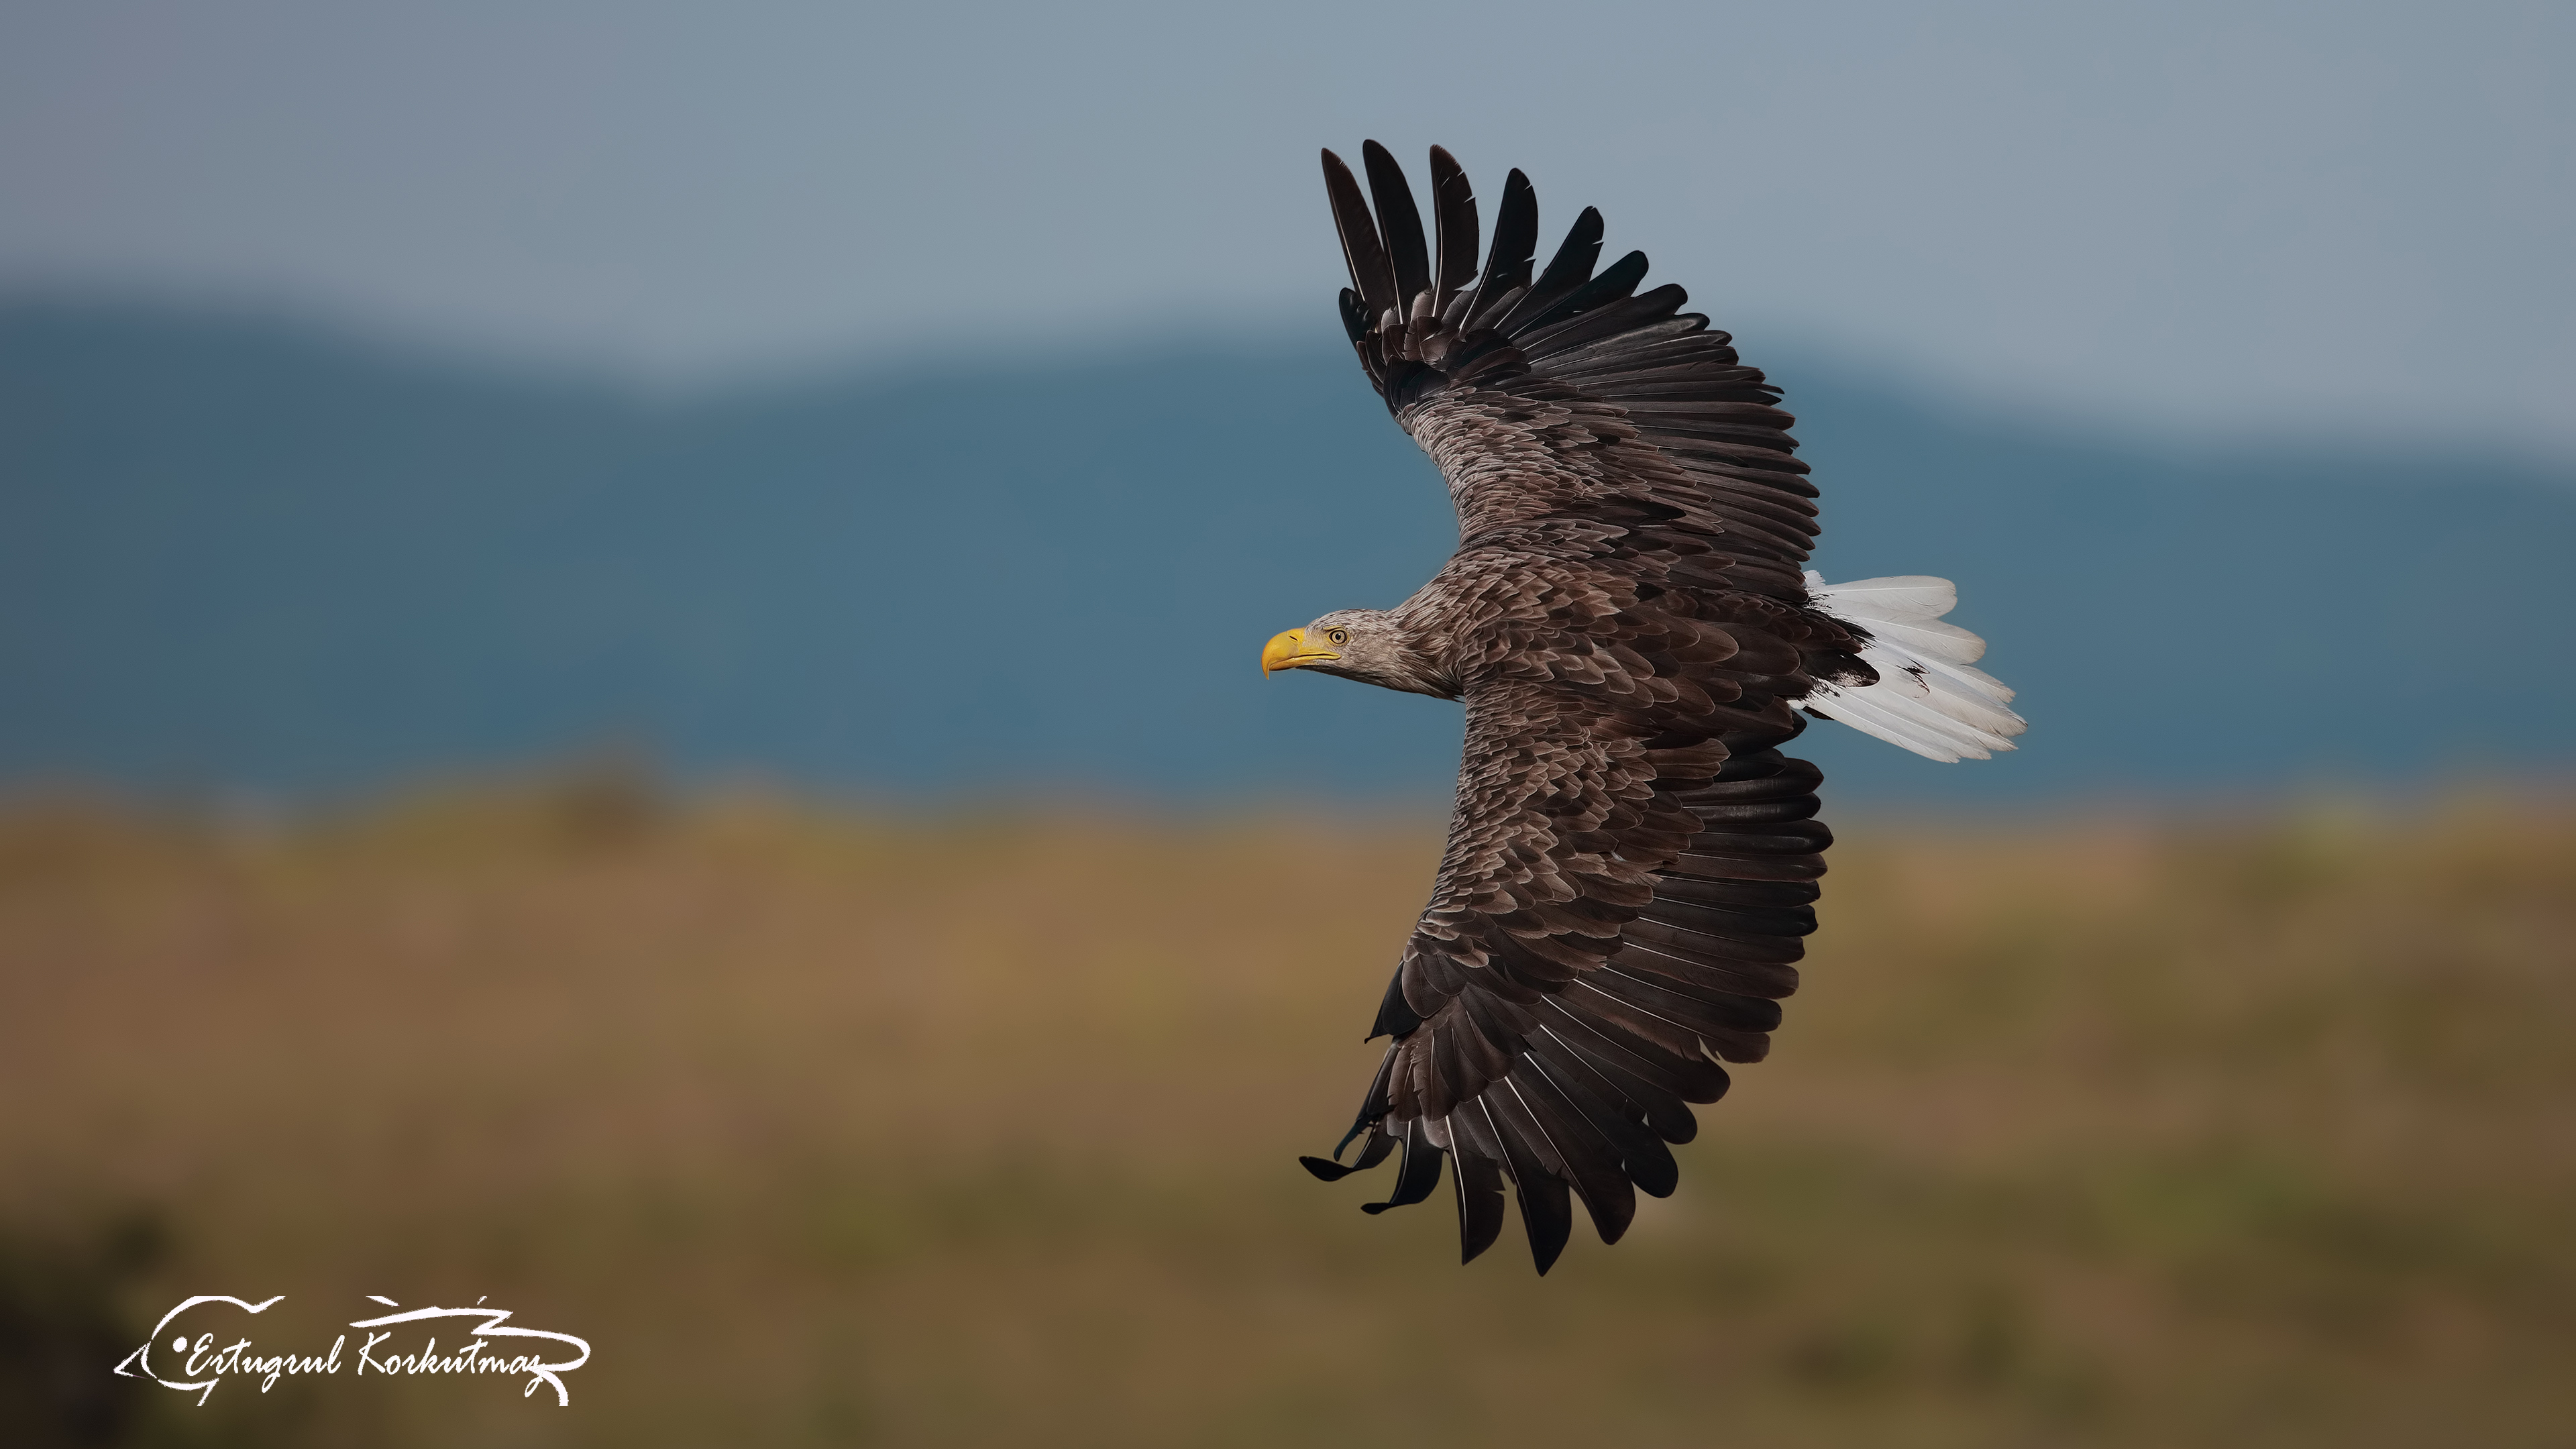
<point>242,554</point>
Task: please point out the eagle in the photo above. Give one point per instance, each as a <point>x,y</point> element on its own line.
<point>1632,864</point>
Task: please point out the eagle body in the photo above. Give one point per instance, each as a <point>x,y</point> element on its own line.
<point>1632,864</point>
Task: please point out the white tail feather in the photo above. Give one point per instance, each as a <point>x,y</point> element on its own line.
<point>1929,697</point>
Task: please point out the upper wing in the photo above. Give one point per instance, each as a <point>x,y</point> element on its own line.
<point>1629,875</point>
<point>1567,393</point>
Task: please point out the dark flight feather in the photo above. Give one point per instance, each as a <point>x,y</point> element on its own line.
<point>1570,268</point>
<point>1418,1175</point>
<point>1479,1182</point>
<point>1541,1191</point>
<point>1643,1157</point>
<point>1583,1153</point>
<point>1507,266</point>
<point>1361,250</point>
<point>1399,221</point>
<point>1640,1088</point>
<point>1453,218</point>
<point>1550,328</point>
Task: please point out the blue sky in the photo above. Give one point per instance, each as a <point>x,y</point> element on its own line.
<point>2348,217</point>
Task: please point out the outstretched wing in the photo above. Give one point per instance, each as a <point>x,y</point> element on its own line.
<point>1629,878</point>
<point>1567,392</point>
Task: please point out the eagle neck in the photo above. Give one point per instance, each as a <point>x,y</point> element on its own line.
<point>1423,653</point>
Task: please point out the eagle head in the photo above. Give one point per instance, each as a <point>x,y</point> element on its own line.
<point>1369,645</point>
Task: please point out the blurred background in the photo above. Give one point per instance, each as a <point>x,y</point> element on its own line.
<point>627,683</point>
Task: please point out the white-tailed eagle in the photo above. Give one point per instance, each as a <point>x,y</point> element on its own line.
<point>1632,864</point>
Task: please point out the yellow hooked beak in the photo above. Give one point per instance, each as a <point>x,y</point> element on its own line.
<point>1290,651</point>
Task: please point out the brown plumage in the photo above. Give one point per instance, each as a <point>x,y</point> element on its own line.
<point>1633,864</point>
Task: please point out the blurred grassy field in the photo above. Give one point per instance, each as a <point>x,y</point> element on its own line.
<point>829,1129</point>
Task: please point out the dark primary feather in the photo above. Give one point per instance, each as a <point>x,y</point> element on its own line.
<point>1507,268</point>
<point>1569,269</point>
<point>1361,250</point>
<point>1400,224</point>
<point>1632,864</point>
<point>1453,215</point>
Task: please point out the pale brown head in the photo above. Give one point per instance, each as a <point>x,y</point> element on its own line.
<point>1369,645</point>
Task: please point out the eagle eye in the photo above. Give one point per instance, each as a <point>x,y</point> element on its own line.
<point>1338,636</point>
